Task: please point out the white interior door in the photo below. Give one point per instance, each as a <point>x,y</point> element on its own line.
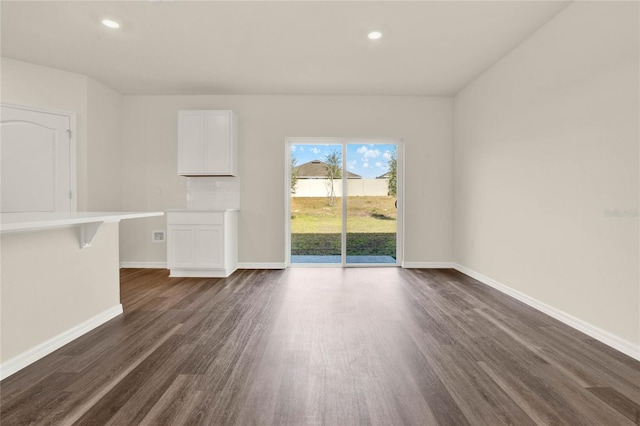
<point>36,167</point>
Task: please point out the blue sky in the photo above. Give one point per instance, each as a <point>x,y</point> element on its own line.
<point>367,160</point>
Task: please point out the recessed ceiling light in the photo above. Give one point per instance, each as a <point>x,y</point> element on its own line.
<point>374,35</point>
<point>109,23</point>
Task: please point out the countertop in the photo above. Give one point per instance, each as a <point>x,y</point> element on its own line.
<point>26,221</point>
<point>201,210</point>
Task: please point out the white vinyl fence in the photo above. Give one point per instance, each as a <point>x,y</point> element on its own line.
<point>355,187</point>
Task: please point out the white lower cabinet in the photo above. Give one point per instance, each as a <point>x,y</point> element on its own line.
<point>202,244</point>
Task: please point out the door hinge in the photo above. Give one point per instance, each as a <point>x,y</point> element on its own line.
<point>69,133</point>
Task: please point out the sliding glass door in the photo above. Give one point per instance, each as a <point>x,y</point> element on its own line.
<point>370,204</point>
<point>342,202</point>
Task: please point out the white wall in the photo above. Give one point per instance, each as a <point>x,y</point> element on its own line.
<point>127,148</point>
<point>546,142</point>
<point>49,285</point>
<point>42,87</point>
<point>103,159</point>
<point>98,111</point>
<point>150,181</point>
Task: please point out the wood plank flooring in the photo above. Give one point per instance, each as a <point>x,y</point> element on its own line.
<point>379,346</point>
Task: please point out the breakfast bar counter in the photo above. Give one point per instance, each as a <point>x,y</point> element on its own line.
<point>59,279</point>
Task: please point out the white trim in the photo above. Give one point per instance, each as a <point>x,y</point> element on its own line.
<point>400,239</point>
<point>163,265</point>
<point>196,272</point>
<point>273,265</point>
<point>313,140</point>
<point>344,199</point>
<point>61,112</point>
<point>597,333</point>
<point>428,265</point>
<point>346,265</point>
<point>146,265</point>
<point>287,202</point>
<point>30,356</point>
<point>73,160</point>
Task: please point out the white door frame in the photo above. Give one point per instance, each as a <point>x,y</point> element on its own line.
<point>399,142</point>
<point>73,147</point>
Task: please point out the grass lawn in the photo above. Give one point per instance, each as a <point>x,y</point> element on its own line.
<point>316,227</point>
<point>364,215</point>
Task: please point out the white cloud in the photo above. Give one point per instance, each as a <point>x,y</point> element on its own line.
<point>365,165</point>
<point>351,165</point>
<point>368,153</point>
<point>386,155</point>
<point>293,148</point>
<point>315,150</point>
<point>302,148</point>
<point>378,164</point>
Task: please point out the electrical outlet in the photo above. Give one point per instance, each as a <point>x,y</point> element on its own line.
<point>157,236</point>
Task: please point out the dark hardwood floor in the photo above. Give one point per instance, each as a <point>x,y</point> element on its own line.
<point>350,346</point>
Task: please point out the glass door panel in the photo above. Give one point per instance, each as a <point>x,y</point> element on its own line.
<point>370,211</point>
<point>316,203</point>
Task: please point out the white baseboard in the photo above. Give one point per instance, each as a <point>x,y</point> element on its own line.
<point>427,265</point>
<point>163,265</point>
<point>603,336</point>
<point>19,362</point>
<point>147,265</point>
<point>248,265</point>
<point>200,273</point>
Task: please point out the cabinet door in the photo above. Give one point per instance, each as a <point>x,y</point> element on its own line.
<point>210,246</point>
<point>191,136</point>
<point>217,126</point>
<point>181,246</point>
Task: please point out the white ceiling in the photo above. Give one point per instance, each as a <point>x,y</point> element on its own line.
<point>211,47</point>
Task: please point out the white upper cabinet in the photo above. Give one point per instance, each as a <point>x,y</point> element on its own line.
<point>207,143</point>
